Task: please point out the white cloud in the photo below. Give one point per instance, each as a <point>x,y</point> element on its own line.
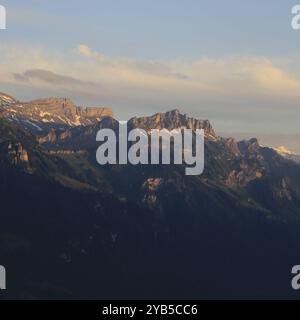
<point>86,71</point>
<point>229,76</point>
<point>86,51</point>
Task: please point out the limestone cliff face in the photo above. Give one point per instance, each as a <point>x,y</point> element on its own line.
<point>94,112</point>
<point>63,107</point>
<point>42,115</point>
<point>173,120</point>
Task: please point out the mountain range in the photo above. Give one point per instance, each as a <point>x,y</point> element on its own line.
<point>73,229</point>
<point>42,115</point>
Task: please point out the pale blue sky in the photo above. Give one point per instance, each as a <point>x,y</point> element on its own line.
<point>155,29</point>
<point>234,62</point>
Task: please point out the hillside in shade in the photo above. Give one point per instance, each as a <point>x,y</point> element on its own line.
<point>71,228</point>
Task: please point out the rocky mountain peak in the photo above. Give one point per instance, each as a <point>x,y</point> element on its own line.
<point>173,113</point>
<point>173,120</point>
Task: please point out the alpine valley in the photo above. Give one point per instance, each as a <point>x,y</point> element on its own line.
<point>70,228</point>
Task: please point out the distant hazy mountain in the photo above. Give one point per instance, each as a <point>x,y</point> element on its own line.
<point>73,229</point>
<point>288,154</point>
<point>289,140</point>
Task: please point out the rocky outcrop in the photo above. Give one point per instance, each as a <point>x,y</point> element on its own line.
<point>283,190</point>
<point>15,153</point>
<point>150,189</point>
<point>232,146</point>
<point>250,148</point>
<point>243,176</point>
<point>51,137</point>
